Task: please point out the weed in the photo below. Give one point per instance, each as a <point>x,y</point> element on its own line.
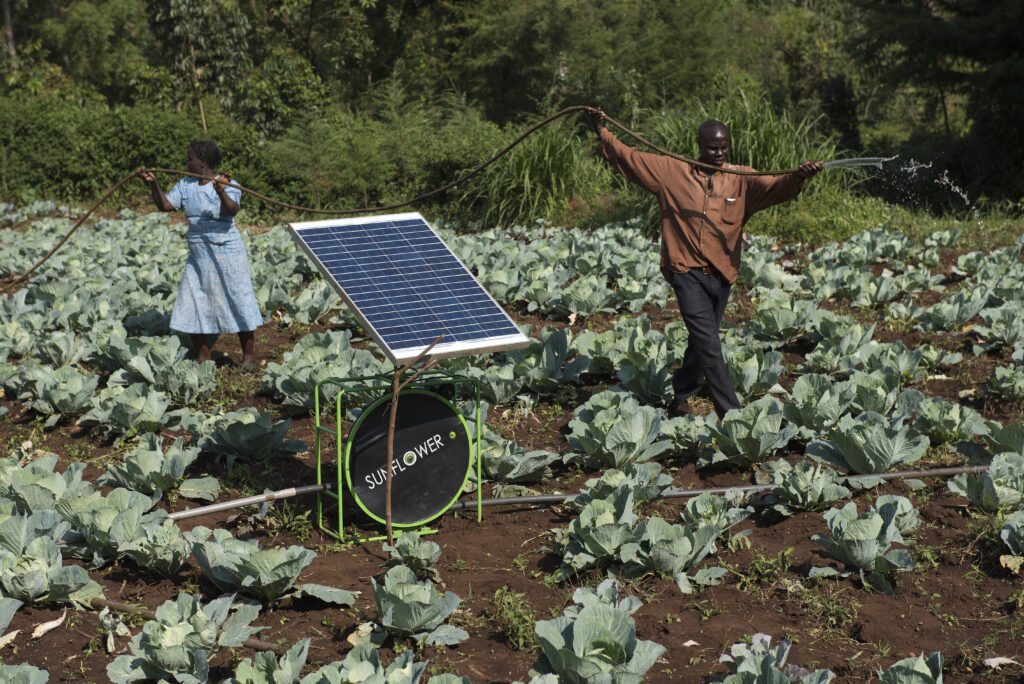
<point>520,562</point>
<point>1016,600</point>
<point>826,605</point>
<point>925,557</point>
<point>456,565</point>
<point>287,518</point>
<point>707,608</point>
<point>517,618</point>
<point>763,572</point>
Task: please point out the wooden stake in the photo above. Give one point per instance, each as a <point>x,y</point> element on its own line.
<point>397,387</point>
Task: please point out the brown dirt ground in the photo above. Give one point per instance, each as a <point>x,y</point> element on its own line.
<point>958,599</point>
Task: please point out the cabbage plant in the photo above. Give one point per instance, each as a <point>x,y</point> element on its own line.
<point>1012,535</point>
<point>109,524</point>
<point>780,319</point>
<point>499,383</point>
<point>265,574</point>
<point>166,368</point>
<point>419,555</point>
<point>36,487</point>
<point>363,664</point>
<point>645,482</point>
<point>716,511</point>
<point>612,429</point>
<point>908,363</point>
<point>759,662</point>
<point>805,486</point>
<point>645,377</point>
<point>1007,382</point>
<point>121,410</point>
<point>877,391</point>
<point>549,362</point>
<point>868,444</point>
<point>32,567</point>
<point>311,303</point>
<point>507,462</point>
<point>1003,328</point>
<point>816,405</point>
<point>999,489</point>
<point>179,644</point>
<point>915,670</point>
<point>754,372</point>
<point>265,668</point>
<point>903,513</point>
<point>863,542</point>
<point>747,435</point>
<point>23,674</point>
<point>607,349</point>
<point>947,422</point>
<point>671,551</point>
<point>245,433</point>
<point>953,312</point>
<point>62,394</point>
<point>595,640</point>
<point>316,357</point>
<point>151,470</point>
<point>597,536</point>
<point>407,607</point>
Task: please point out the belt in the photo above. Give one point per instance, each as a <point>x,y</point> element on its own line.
<point>706,270</point>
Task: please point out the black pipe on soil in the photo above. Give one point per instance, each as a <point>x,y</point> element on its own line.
<point>691,493</point>
<point>560,498</point>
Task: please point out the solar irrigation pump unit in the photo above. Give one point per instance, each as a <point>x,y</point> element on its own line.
<point>418,301</point>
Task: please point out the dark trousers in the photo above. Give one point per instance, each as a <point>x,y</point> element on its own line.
<point>702,299</point>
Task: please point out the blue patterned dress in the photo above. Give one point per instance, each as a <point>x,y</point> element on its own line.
<point>216,289</point>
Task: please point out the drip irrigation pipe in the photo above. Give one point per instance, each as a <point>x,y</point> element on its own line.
<point>365,210</point>
<point>558,498</point>
<point>259,645</point>
<point>691,493</point>
<point>249,501</point>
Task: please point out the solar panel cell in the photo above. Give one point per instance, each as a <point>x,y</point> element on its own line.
<point>407,287</point>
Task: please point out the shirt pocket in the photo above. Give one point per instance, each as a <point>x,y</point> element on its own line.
<point>726,209</point>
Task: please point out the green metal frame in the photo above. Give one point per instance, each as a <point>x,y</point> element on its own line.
<point>425,380</point>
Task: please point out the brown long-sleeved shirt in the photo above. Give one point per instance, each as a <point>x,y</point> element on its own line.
<point>702,216</point>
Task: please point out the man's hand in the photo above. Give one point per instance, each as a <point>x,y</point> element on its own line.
<point>145,175</point>
<point>596,119</point>
<point>808,169</point>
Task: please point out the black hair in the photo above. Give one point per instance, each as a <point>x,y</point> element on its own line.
<point>207,152</point>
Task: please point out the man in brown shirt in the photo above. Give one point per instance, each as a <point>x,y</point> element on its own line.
<point>702,216</point>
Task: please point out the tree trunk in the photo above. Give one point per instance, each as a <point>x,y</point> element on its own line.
<point>195,84</point>
<point>5,6</point>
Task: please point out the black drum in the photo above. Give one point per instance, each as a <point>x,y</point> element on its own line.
<point>432,458</point>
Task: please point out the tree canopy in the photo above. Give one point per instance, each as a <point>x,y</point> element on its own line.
<point>935,77</point>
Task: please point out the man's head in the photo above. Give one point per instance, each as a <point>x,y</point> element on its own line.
<point>713,142</point>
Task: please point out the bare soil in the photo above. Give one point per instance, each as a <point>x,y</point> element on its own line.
<point>958,600</point>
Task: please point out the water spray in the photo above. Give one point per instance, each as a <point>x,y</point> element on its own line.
<point>857,161</point>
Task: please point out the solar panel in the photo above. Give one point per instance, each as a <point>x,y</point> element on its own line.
<point>407,287</point>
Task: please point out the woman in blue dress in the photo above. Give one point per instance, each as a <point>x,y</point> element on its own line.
<point>216,293</point>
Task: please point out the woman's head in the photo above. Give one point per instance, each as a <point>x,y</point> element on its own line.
<point>206,152</point>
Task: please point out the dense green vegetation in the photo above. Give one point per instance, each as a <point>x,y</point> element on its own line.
<point>361,102</point>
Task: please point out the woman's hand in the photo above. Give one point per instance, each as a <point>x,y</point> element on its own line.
<point>221,181</point>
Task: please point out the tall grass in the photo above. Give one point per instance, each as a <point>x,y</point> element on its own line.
<point>549,175</point>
